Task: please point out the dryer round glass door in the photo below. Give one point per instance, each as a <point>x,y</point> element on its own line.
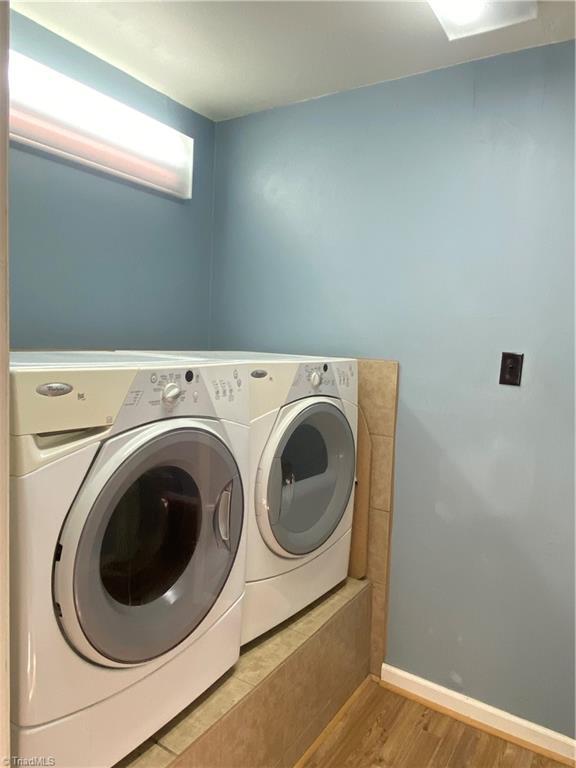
<point>156,546</point>
<point>309,478</point>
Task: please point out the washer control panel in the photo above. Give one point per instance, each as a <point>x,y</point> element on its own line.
<point>217,391</point>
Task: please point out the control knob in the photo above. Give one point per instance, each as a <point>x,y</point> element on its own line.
<point>316,379</point>
<point>171,393</point>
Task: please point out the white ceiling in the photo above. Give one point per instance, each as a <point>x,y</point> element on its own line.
<point>225,59</point>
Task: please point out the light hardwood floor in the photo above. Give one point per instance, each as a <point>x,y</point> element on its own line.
<point>381,729</point>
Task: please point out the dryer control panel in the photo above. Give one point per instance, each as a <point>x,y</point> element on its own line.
<point>331,379</point>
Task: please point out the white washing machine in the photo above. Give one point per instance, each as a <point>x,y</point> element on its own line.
<point>128,546</point>
<point>303,422</point>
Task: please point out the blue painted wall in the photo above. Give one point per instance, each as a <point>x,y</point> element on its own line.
<point>430,220</point>
<point>97,262</point>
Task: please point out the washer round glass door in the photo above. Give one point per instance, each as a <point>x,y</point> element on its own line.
<point>156,546</point>
<point>307,478</point>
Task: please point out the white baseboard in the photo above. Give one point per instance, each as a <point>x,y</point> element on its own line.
<point>496,721</point>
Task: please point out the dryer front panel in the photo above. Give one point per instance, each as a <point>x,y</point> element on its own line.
<point>148,545</point>
<point>305,477</point>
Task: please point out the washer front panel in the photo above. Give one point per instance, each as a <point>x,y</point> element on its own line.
<point>156,546</point>
<point>309,479</point>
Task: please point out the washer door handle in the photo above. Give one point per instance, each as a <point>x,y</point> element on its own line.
<point>223,507</point>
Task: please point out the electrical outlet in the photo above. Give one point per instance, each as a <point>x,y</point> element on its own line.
<point>511,369</point>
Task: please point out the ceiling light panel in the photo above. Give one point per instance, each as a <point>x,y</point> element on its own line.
<point>464,18</point>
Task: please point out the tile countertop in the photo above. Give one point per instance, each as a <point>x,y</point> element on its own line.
<point>257,660</point>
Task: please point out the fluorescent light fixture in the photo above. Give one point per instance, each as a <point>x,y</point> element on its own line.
<point>56,114</point>
<point>463,18</point>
